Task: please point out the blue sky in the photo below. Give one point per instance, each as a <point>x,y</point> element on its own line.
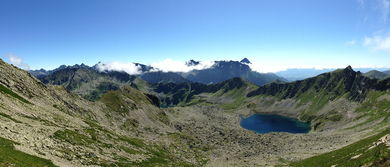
<point>274,34</point>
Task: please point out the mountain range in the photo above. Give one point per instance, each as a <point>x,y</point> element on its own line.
<point>303,73</point>
<point>80,116</point>
<point>91,82</point>
<point>218,72</point>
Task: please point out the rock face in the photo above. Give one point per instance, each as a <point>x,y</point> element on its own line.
<point>245,61</point>
<point>224,70</point>
<point>192,63</point>
<point>385,140</point>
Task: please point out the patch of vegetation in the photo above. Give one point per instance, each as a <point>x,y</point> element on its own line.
<point>234,105</point>
<point>133,141</point>
<point>197,101</point>
<point>9,117</point>
<point>316,101</point>
<point>11,157</point>
<point>141,85</point>
<point>163,117</point>
<point>125,99</point>
<point>90,137</point>
<point>197,148</point>
<point>132,123</point>
<point>237,96</point>
<point>129,150</point>
<point>359,150</point>
<point>93,133</point>
<point>375,108</point>
<point>73,137</point>
<point>100,90</point>
<point>44,121</point>
<point>113,100</point>
<point>372,104</point>
<point>158,155</point>
<point>5,90</point>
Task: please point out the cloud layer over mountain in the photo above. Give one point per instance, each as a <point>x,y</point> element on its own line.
<point>129,68</point>
<point>169,65</point>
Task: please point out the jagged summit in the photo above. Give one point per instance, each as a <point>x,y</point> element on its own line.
<point>349,68</point>
<point>245,61</point>
<point>144,68</point>
<point>192,63</point>
<point>347,73</point>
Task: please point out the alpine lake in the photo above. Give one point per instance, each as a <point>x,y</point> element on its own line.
<point>266,123</point>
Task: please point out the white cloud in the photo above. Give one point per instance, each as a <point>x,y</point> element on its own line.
<point>129,68</point>
<point>350,43</point>
<point>17,61</point>
<point>169,65</point>
<point>377,43</point>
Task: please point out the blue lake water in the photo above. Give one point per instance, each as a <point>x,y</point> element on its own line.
<point>265,123</point>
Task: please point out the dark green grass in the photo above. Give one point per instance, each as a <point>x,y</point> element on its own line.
<point>11,157</point>
<point>342,157</point>
<point>159,156</point>
<point>5,90</point>
<point>73,137</point>
<point>9,117</point>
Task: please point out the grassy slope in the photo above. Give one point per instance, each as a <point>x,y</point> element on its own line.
<point>96,136</point>
<point>375,108</point>
<point>343,157</point>
<point>11,157</point>
<point>237,95</point>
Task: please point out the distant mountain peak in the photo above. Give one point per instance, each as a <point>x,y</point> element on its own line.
<point>246,61</point>
<point>348,71</point>
<point>349,68</point>
<point>192,63</point>
<point>375,74</point>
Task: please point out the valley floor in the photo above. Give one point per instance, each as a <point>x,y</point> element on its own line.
<point>231,145</point>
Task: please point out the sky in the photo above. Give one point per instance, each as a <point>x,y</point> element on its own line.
<point>273,34</point>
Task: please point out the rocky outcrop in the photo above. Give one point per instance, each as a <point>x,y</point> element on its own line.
<point>225,70</point>
<point>335,84</point>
